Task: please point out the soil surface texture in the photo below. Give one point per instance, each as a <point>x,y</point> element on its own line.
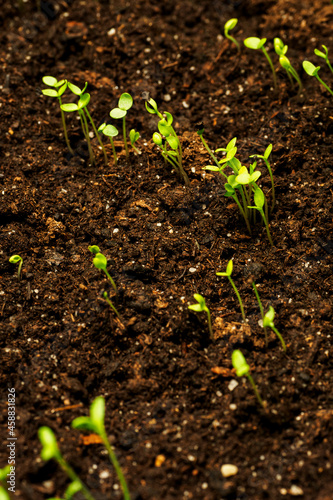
<point>182,423</point>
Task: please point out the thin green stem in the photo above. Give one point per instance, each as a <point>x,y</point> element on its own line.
<point>238,297</point>
<point>73,476</point>
<point>85,129</point>
<point>212,155</point>
<point>234,197</point>
<point>278,334</point>
<point>114,152</point>
<point>255,390</point>
<point>324,84</point>
<point>272,181</point>
<point>261,309</point>
<point>124,134</point>
<point>111,281</point>
<point>271,65</point>
<point>267,228</point>
<point>65,128</point>
<point>116,466</point>
<point>232,39</point>
<point>210,325</point>
<point>97,135</point>
<point>105,295</point>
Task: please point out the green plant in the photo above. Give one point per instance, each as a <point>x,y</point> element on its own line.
<point>50,451</point>
<point>57,90</point>
<point>229,25</point>
<point>286,64</point>
<point>242,368</point>
<point>125,103</point>
<point>14,259</point>
<point>95,423</point>
<point>256,44</point>
<point>110,131</point>
<point>265,157</point>
<point>312,70</point>
<point>82,109</point>
<point>260,200</point>
<point>134,136</point>
<point>268,321</point>
<point>324,55</point>
<point>255,289</point>
<point>4,473</point>
<point>100,262</point>
<point>106,297</point>
<point>228,273</point>
<point>167,137</point>
<point>217,167</point>
<point>201,307</point>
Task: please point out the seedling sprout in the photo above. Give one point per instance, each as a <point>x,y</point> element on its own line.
<point>258,43</point>
<point>110,131</point>
<point>269,321</point>
<point>51,450</point>
<point>242,368</point>
<point>57,90</point>
<point>229,25</point>
<point>14,259</point>
<point>260,307</point>
<point>324,55</point>
<point>228,273</point>
<point>125,103</point>
<point>264,157</point>
<point>3,481</point>
<point>167,137</point>
<point>201,307</point>
<point>95,423</point>
<point>100,262</point>
<point>259,200</point>
<point>312,70</point>
<point>134,136</point>
<point>106,297</point>
<point>286,64</point>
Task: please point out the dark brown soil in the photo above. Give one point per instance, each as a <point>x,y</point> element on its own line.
<point>173,413</point>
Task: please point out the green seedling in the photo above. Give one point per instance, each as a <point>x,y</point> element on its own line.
<point>312,70</point>
<point>256,44</point>
<point>94,249</point>
<point>265,157</point>
<point>82,109</point>
<point>134,136</point>
<point>260,307</point>
<point>228,273</point>
<point>201,307</point>
<point>167,137</point>
<point>50,451</point>
<point>110,131</point>
<point>242,368</point>
<point>125,103</point>
<point>260,200</point>
<point>4,476</point>
<point>106,297</point>
<point>200,132</point>
<point>57,90</point>
<point>268,321</point>
<point>229,25</point>
<point>95,423</point>
<point>286,64</point>
<point>100,262</point>
<point>324,55</point>
<point>14,259</point>
<point>279,47</point>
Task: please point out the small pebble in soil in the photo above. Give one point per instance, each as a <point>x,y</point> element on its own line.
<point>192,270</point>
<point>295,491</point>
<point>228,470</point>
<point>232,385</point>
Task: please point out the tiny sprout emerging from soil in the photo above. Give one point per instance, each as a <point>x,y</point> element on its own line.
<point>259,200</point>
<point>100,262</point>
<point>255,289</point>
<point>94,249</point>
<point>125,103</point>
<point>50,451</point>
<point>134,136</point>
<point>95,423</point>
<point>57,90</point>
<point>312,70</point>
<point>82,108</point>
<point>286,64</point>
<point>324,55</point>
<point>110,131</point>
<point>258,43</point>
<point>106,297</point>
<point>229,25</point>
<point>201,307</point>
<point>264,157</point>
<point>268,321</point>
<point>228,273</point>
<point>242,368</point>
<point>14,259</point>
<point>174,155</point>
